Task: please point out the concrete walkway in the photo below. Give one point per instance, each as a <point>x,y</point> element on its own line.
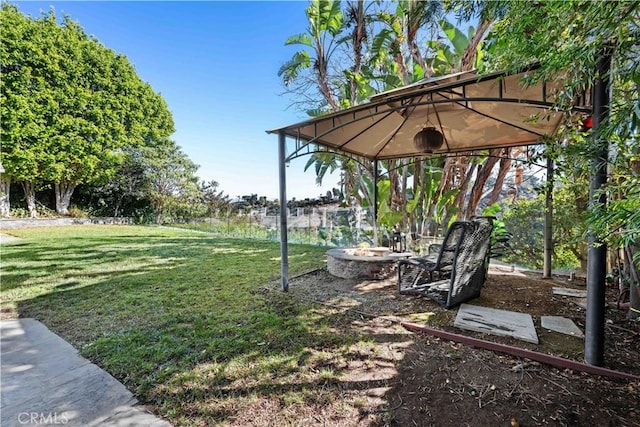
<point>44,381</point>
<point>5,238</point>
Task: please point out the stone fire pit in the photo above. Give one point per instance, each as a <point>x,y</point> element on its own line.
<point>363,263</point>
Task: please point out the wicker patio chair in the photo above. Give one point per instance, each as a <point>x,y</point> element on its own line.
<point>488,221</point>
<point>437,262</point>
<point>460,270</point>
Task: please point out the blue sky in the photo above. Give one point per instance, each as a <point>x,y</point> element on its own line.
<point>215,63</point>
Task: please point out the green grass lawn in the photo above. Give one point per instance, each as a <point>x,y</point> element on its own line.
<point>183,319</point>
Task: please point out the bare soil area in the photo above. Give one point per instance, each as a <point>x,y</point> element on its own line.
<point>409,379</point>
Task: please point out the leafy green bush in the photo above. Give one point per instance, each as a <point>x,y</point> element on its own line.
<point>525,222</point>
<point>519,236</point>
<point>19,213</point>
<point>564,259</point>
<point>41,211</point>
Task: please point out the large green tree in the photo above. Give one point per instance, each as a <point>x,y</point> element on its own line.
<point>69,105</point>
<point>24,105</point>
<point>169,176</point>
<point>124,192</point>
<point>214,198</point>
<point>154,183</point>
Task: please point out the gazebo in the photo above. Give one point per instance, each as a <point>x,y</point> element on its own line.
<point>456,113</point>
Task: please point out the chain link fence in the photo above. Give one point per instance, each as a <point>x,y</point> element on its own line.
<point>315,226</point>
<point>324,226</point>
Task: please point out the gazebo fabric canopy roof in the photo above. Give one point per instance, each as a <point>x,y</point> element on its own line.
<point>472,112</point>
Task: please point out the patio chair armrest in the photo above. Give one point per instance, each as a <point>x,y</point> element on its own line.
<point>426,263</point>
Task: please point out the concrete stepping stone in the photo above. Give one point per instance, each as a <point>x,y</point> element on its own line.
<point>581,302</point>
<point>562,325</point>
<point>496,322</point>
<point>578,293</point>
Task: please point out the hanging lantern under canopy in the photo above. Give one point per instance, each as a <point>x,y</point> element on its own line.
<point>428,140</point>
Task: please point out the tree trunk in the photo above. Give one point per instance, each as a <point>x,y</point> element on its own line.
<point>368,195</point>
<point>582,257</point>
<point>505,165</point>
<point>118,203</point>
<point>471,51</point>
<point>394,186</point>
<point>63,197</point>
<point>358,37</point>
<point>403,192</point>
<point>466,171</point>
<point>348,181</point>
<point>158,209</point>
<point>30,195</point>
<point>323,84</point>
<point>417,216</point>
<point>484,172</point>
<point>5,187</point>
<point>631,269</point>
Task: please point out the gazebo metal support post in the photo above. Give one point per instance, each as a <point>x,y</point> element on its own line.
<point>284,250</point>
<point>375,202</point>
<point>597,255</point>
<point>548,220</point>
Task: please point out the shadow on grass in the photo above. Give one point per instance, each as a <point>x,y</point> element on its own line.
<point>200,359</point>
<point>32,264</point>
<point>182,322</point>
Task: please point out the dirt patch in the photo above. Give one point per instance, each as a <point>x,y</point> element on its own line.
<point>408,379</point>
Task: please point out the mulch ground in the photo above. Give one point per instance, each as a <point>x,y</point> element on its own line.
<point>431,381</point>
